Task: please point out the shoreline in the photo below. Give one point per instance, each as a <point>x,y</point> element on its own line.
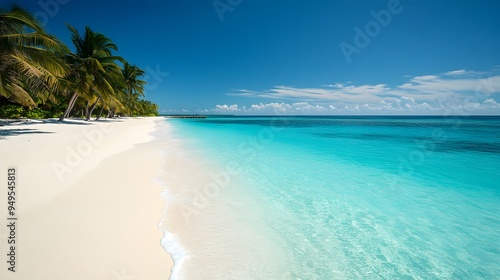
<point>214,219</point>
<point>79,216</point>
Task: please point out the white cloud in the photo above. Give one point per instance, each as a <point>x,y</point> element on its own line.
<point>336,85</point>
<point>227,108</point>
<point>491,103</point>
<point>402,105</point>
<point>438,85</point>
<point>452,91</point>
<point>391,105</point>
<point>424,78</point>
<point>272,108</point>
<point>335,92</point>
<point>174,111</point>
<point>456,72</point>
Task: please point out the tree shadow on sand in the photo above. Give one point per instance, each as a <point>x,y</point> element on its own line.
<point>19,131</point>
<point>5,131</point>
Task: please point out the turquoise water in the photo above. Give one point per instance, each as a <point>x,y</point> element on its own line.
<point>367,197</point>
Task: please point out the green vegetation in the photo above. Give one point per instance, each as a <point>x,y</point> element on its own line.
<point>41,78</point>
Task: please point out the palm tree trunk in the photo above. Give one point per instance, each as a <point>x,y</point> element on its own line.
<point>86,113</point>
<point>111,113</point>
<point>71,104</point>
<point>100,114</point>
<point>89,112</point>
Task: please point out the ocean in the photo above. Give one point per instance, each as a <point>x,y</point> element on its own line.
<point>333,197</point>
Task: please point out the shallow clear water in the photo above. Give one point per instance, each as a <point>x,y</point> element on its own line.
<point>357,197</point>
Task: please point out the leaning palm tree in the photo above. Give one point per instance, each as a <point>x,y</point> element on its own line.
<point>30,58</point>
<point>131,74</point>
<point>134,87</point>
<point>92,66</point>
<point>116,80</point>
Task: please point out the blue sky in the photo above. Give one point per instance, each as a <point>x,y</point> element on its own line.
<point>301,57</point>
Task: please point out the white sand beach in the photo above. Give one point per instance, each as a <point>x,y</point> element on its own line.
<point>86,203</point>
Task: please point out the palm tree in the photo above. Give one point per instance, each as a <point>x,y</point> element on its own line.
<point>131,73</point>
<point>117,81</point>
<point>30,59</point>
<point>134,87</point>
<point>93,67</point>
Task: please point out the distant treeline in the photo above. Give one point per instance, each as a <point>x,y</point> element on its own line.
<point>41,78</point>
